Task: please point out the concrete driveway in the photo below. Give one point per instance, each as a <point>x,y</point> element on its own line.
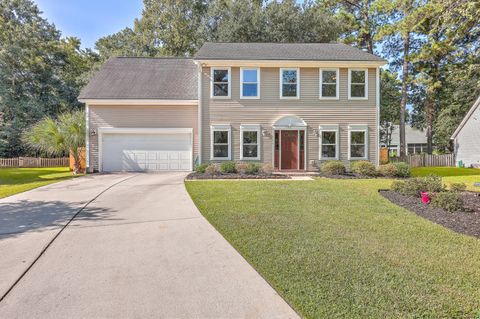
<point>139,248</point>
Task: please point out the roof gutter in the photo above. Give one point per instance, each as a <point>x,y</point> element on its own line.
<point>137,102</point>
<point>289,63</point>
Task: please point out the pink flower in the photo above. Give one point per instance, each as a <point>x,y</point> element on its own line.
<point>425,198</point>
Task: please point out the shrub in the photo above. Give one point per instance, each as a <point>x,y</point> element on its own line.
<point>201,168</point>
<point>333,168</point>
<point>403,169</point>
<point>415,186</point>
<point>253,168</point>
<point>364,168</point>
<point>458,187</point>
<point>388,170</point>
<point>228,167</point>
<point>212,169</point>
<point>267,169</point>
<point>241,168</point>
<point>398,186</point>
<point>450,201</point>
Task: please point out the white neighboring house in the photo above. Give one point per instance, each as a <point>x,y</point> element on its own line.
<point>416,141</point>
<point>466,138</point>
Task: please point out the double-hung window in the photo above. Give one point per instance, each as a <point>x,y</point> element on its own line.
<point>357,142</point>
<point>250,142</point>
<point>329,142</point>
<point>289,83</point>
<point>329,84</point>
<point>249,83</point>
<point>220,148</point>
<point>220,83</point>
<point>358,84</point>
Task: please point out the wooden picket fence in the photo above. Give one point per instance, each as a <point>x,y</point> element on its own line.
<point>34,162</point>
<point>426,160</point>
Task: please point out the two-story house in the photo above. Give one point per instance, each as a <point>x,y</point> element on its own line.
<point>293,105</point>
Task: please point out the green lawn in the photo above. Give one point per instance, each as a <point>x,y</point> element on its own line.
<point>337,249</point>
<point>17,180</point>
<point>469,176</point>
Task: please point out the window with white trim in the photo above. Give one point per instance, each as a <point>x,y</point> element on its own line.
<point>220,80</point>
<point>289,83</point>
<point>220,148</point>
<point>358,142</point>
<point>250,142</point>
<point>249,83</point>
<point>329,83</point>
<point>329,142</point>
<point>357,83</point>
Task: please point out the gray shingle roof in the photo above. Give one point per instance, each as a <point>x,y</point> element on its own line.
<point>144,78</point>
<point>284,51</point>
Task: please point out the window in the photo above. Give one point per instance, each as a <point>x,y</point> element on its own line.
<point>417,148</point>
<point>249,83</point>
<point>220,142</point>
<point>329,84</point>
<point>289,83</point>
<point>357,140</point>
<point>357,84</point>
<point>328,142</point>
<point>220,78</point>
<point>250,142</point>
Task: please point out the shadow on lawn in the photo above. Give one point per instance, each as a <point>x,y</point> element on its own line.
<point>37,216</point>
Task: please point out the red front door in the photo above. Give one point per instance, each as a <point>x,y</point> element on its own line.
<point>289,150</point>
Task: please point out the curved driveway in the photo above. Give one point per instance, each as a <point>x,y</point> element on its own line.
<point>139,249</point>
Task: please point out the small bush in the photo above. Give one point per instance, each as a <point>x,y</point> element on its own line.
<point>387,170</point>
<point>333,168</point>
<point>201,168</point>
<point>364,168</point>
<point>415,186</point>
<point>212,169</point>
<point>450,201</point>
<point>253,168</point>
<point>267,169</point>
<point>228,167</point>
<point>241,168</point>
<point>403,169</point>
<point>398,186</point>
<point>458,187</point>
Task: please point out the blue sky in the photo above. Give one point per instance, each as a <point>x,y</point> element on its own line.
<point>90,20</point>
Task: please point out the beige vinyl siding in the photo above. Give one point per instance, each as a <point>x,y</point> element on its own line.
<point>131,116</point>
<point>269,108</point>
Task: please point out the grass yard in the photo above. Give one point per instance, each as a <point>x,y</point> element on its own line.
<point>469,176</point>
<point>17,180</point>
<point>337,249</point>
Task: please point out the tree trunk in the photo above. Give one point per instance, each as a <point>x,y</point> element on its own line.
<point>403,103</point>
<point>429,121</point>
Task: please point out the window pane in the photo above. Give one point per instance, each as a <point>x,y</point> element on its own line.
<point>357,151</point>
<point>358,77</point>
<point>328,151</point>
<point>250,90</point>
<point>329,90</point>
<point>357,90</point>
<point>220,90</point>
<point>220,75</point>
<point>289,76</point>
<point>250,137</point>
<point>329,76</point>
<point>250,150</point>
<point>329,138</point>
<point>220,151</point>
<point>220,137</point>
<point>357,137</point>
<point>289,90</point>
<point>249,75</point>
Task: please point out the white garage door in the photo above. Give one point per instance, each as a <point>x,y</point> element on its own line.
<point>146,152</point>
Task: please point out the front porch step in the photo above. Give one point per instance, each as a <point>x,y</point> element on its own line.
<point>297,173</point>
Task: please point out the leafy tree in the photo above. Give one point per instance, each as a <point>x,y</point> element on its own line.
<point>390,87</point>
<point>59,136</point>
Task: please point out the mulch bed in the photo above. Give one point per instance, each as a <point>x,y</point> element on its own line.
<point>195,175</point>
<point>465,222</point>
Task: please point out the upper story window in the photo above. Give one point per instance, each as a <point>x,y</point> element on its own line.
<point>289,83</point>
<point>358,84</point>
<point>329,84</point>
<point>220,148</point>
<point>221,79</point>
<point>249,83</point>
<point>358,142</point>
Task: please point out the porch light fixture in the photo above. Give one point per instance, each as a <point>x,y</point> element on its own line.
<point>93,132</point>
<point>265,133</point>
<point>316,132</point>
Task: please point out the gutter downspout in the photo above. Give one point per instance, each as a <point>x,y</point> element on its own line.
<point>199,111</point>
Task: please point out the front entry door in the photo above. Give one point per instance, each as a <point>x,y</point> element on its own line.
<point>289,149</point>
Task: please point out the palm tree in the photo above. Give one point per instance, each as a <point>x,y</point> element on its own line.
<point>59,136</point>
